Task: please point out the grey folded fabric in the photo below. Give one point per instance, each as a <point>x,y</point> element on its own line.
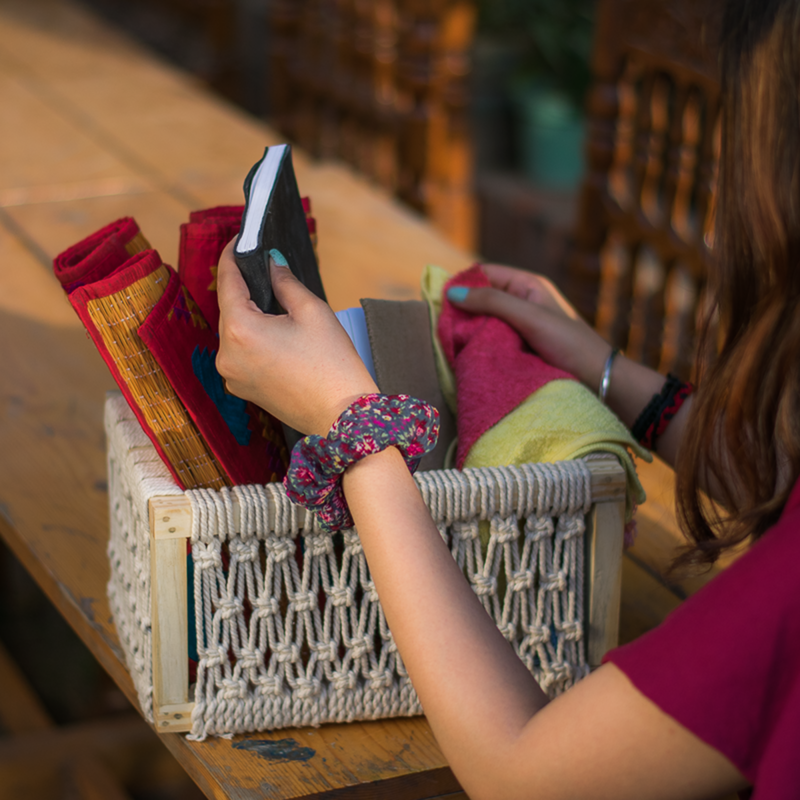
<point>402,351</point>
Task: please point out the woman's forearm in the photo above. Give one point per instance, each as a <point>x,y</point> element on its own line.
<point>631,387</point>
<point>471,684</point>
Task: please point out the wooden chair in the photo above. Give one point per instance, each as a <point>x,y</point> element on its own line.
<point>645,217</point>
<point>382,84</point>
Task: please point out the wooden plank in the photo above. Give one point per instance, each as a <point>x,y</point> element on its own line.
<point>170,632</point>
<point>609,482</point>
<point>170,517</point>
<point>604,563</point>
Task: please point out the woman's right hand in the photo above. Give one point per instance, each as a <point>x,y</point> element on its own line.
<point>533,306</point>
<point>300,366</point>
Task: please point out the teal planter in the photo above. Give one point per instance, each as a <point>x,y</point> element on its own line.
<point>551,133</point>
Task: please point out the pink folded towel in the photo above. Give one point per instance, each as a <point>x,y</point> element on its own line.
<point>494,368</point>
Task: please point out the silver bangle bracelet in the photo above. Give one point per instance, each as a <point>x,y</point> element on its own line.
<point>605,380</point>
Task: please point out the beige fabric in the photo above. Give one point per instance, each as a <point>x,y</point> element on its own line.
<point>402,351</point>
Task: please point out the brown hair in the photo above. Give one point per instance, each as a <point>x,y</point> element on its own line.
<point>743,436</point>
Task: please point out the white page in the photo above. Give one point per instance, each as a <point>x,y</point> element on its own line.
<point>355,324</point>
<point>260,192</point>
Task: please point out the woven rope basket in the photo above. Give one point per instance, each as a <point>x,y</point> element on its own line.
<point>287,621</point>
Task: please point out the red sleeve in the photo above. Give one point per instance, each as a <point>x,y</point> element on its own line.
<point>726,663</point>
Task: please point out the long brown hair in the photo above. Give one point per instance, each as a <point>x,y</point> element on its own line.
<point>743,435</point>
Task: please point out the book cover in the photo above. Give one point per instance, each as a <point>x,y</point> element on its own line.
<point>274,217</point>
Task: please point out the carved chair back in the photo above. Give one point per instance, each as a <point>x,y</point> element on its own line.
<point>382,85</point>
<point>645,217</point>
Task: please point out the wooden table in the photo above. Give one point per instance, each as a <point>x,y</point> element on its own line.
<point>94,129</point>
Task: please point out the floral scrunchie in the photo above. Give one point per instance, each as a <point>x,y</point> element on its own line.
<point>370,424</point>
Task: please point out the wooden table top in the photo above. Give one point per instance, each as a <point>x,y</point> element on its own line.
<point>94,129</point>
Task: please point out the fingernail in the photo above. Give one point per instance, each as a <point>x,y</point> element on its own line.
<point>458,294</point>
<point>278,257</point>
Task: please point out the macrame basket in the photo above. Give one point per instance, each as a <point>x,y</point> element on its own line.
<point>288,624</point>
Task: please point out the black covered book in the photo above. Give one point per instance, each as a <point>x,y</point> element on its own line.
<point>274,218</point>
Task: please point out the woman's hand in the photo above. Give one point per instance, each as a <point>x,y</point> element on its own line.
<point>539,312</point>
<point>300,366</point>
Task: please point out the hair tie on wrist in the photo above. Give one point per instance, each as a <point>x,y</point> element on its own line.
<point>369,425</point>
<point>605,380</point>
<point>658,413</point>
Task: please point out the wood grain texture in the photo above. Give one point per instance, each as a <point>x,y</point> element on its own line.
<point>604,563</point>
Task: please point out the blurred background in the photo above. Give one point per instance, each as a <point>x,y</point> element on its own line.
<point>470,111</point>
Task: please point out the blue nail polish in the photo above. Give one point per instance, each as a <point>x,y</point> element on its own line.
<point>278,257</point>
<point>458,294</point>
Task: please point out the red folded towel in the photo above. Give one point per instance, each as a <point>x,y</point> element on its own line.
<point>494,368</point>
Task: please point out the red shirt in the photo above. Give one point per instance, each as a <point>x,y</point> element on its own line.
<point>726,663</point>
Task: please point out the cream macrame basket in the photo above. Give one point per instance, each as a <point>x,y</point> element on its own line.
<point>287,620</point>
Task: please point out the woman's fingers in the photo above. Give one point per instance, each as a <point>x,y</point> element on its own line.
<point>299,366</point>
<point>289,291</point>
<point>528,286</point>
<point>563,340</point>
<point>516,311</point>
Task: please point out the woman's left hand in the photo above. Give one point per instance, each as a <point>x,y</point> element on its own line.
<point>300,366</point>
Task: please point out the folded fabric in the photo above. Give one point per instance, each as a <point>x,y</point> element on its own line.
<point>99,254</point>
<point>560,420</point>
<point>245,439</point>
<point>112,309</point>
<point>161,352</point>
<point>202,240</point>
<point>494,368</point>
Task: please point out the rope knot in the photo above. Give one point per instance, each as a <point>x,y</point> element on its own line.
<point>370,592</point>
<point>360,647</point>
<point>287,653</point>
<point>504,529</point>
<point>554,582</point>
<point>380,679</point>
<point>229,608</point>
<point>484,585</point>
<point>343,682</point>
<point>572,629</point>
<point>232,689</point>
<point>269,685</point>
<point>520,581</point>
<point>537,634</point>
<point>341,596</point>
<point>207,555</point>
<point>538,528</point>
<point>467,530</point>
<point>265,606</point>
<point>250,659</point>
<point>279,549</point>
<point>245,551</point>
<point>326,651</point>
<point>303,601</point>
<point>318,546</point>
<point>307,688</point>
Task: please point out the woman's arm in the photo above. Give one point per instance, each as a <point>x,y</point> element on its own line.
<point>536,309</point>
<point>600,739</point>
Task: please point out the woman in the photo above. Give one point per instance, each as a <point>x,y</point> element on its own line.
<point>709,702</point>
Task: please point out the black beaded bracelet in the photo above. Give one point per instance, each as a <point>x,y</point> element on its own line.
<point>646,425</point>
